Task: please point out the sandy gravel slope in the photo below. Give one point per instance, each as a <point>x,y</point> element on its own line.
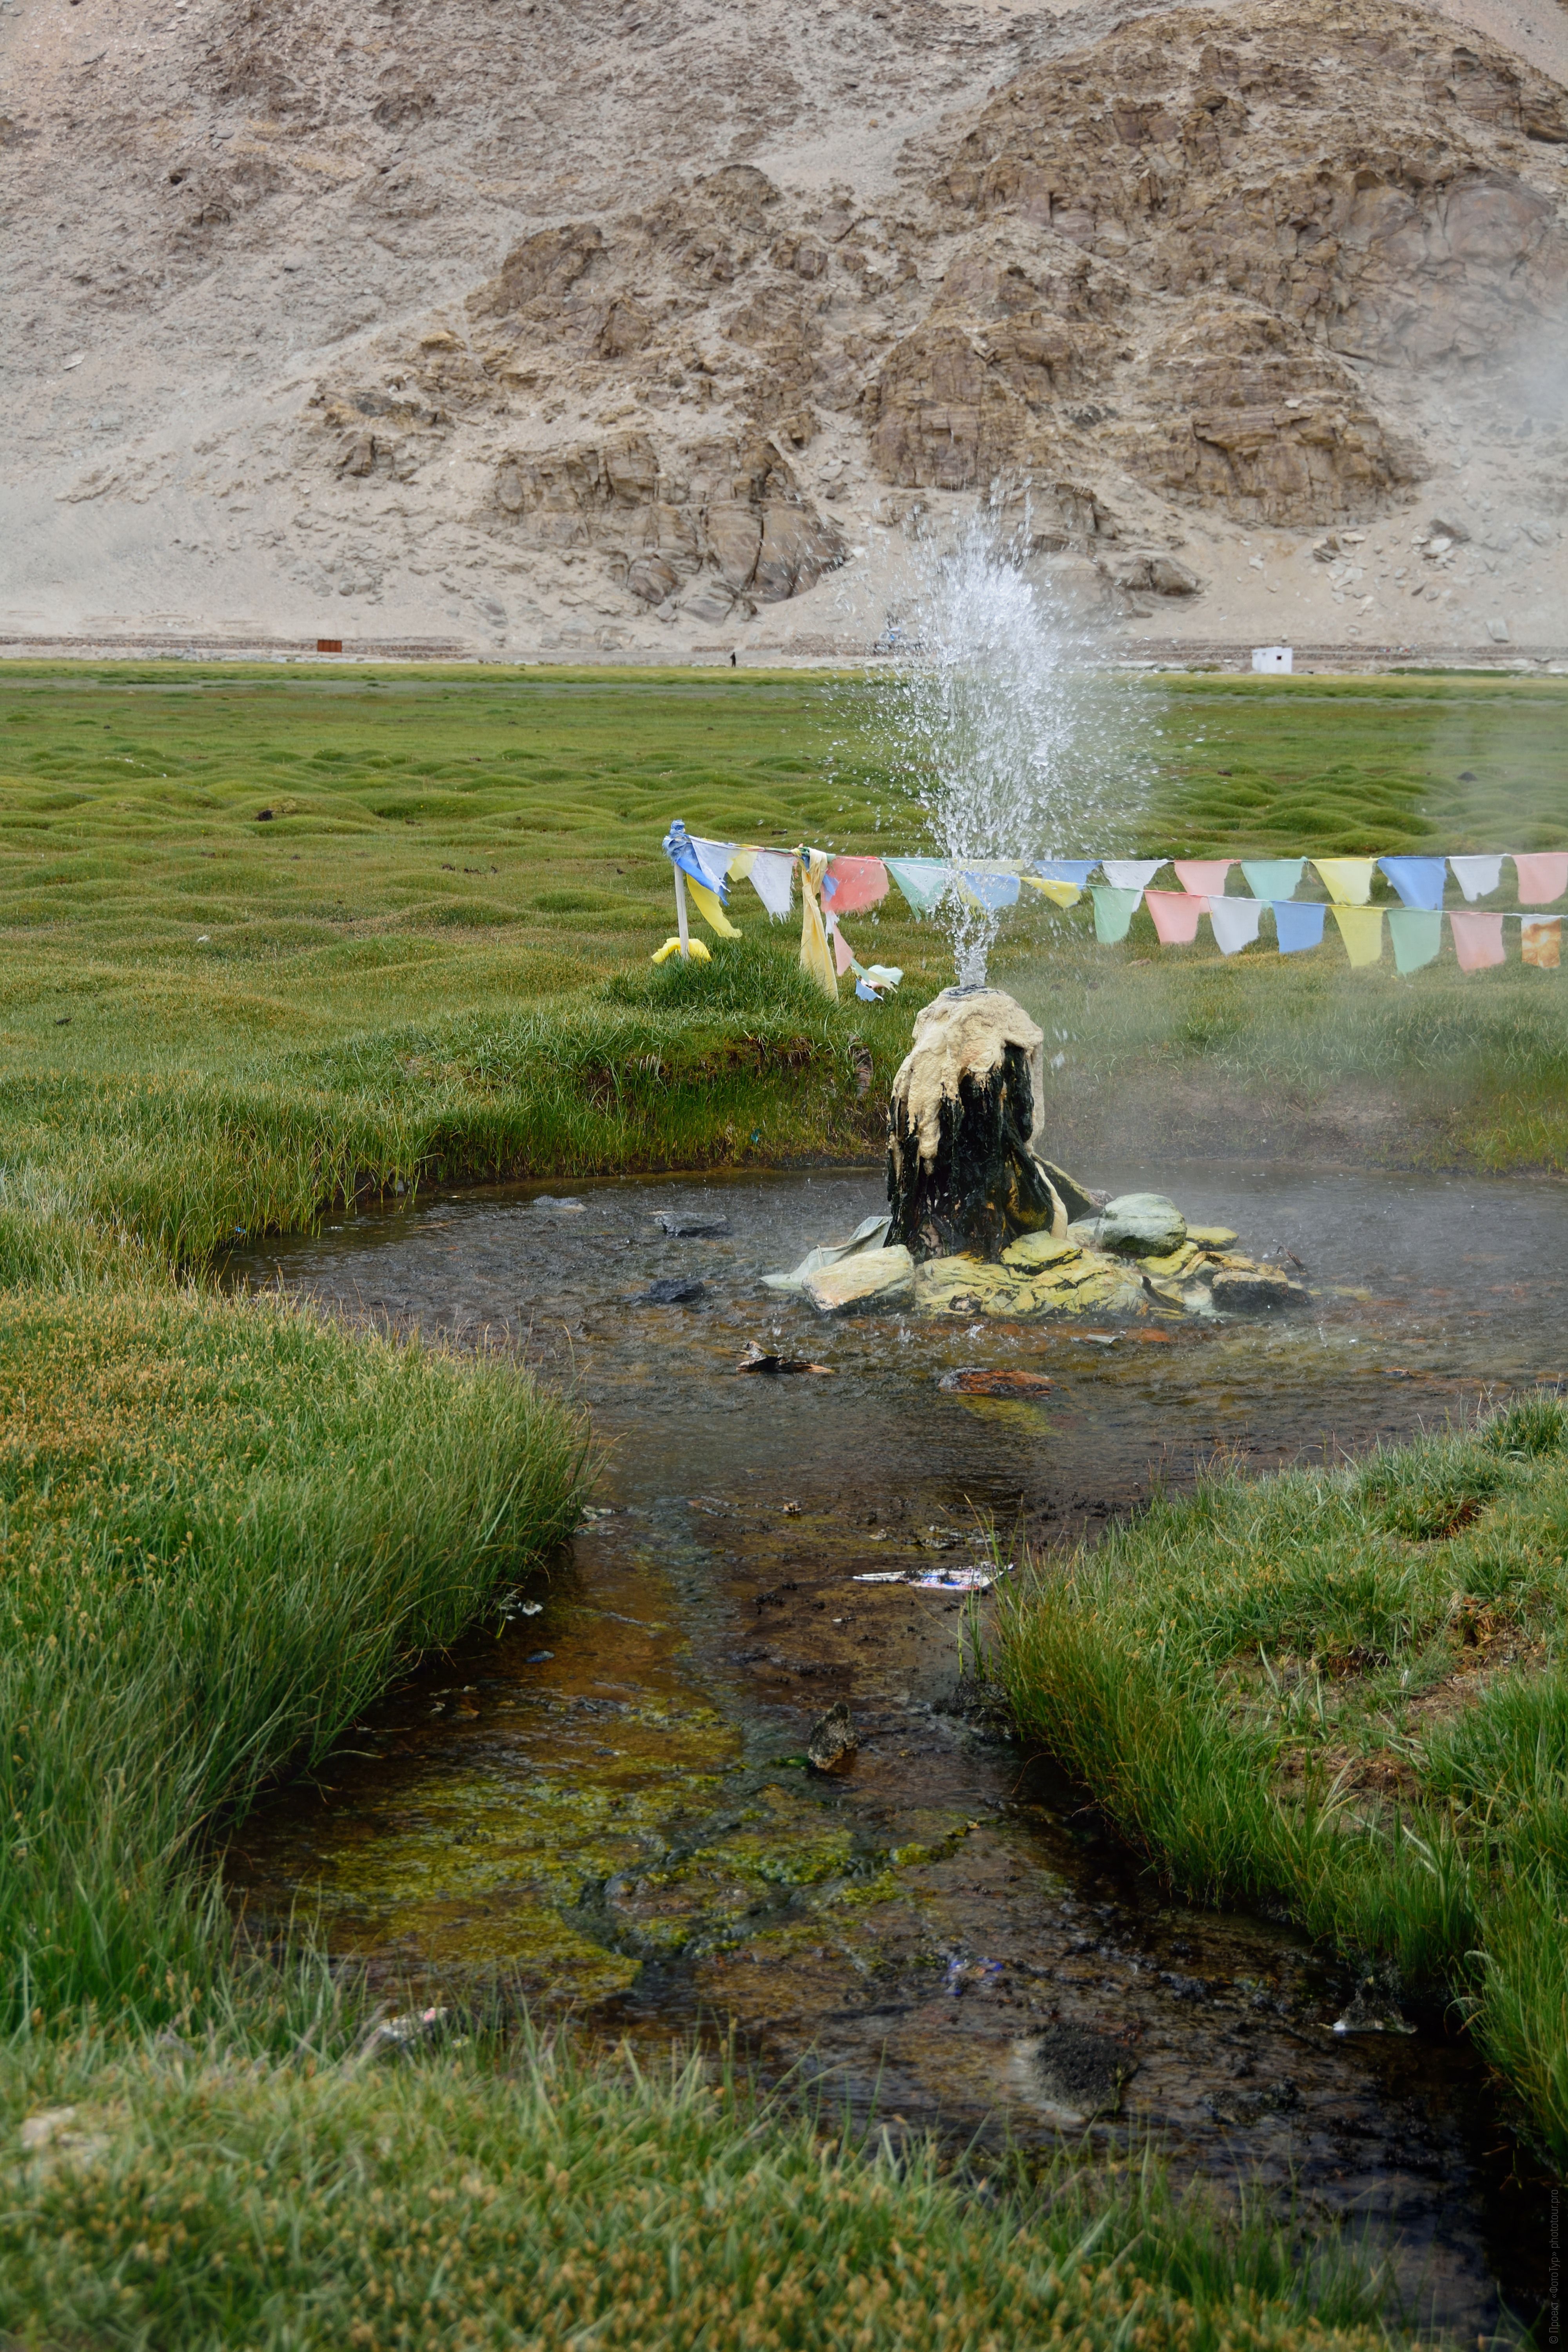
<point>585,328</point>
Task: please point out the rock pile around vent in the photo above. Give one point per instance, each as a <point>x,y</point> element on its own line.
<point>1138,1256</point>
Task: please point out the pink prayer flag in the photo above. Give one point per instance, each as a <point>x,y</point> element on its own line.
<point>1204,876</point>
<point>861,882</point>
<point>1541,878</point>
<point>1175,914</point>
<point>843,955</point>
<point>1477,939</point>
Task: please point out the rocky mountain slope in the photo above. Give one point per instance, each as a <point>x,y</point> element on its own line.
<point>645,329</point>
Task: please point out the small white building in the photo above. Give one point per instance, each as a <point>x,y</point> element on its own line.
<point>1272,658</point>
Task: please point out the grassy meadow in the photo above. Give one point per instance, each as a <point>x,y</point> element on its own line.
<point>1345,1692</point>
<point>431,957</point>
<point>278,937</point>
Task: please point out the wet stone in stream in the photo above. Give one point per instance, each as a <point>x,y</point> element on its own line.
<point>608,1805</point>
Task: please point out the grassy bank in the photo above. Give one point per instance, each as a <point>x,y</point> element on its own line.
<point>1344,1695</point>
<point>474,2199</point>
<point>225,1526</point>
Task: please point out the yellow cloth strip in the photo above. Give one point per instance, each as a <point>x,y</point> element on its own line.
<point>1361,928</point>
<point>817,957</point>
<point>711,912</point>
<point>695,949</point>
<point>741,863</point>
<point>1347,880</point>
<point>1060,894</point>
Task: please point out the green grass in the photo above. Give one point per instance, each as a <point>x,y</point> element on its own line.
<point>483,2198</point>
<point>432,958</point>
<point>1345,1692</point>
<point>1379,766</point>
<point>226,1525</point>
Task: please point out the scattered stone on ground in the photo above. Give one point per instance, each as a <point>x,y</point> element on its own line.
<point>833,1739</point>
<point>1368,2010</point>
<point>758,1359</point>
<point>1256,1290</point>
<point>691,1224</point>
<point>1141,1224</point>
<point>871,1234</point>
<point>1074,2073</point>
<point>882,1277</point>
<point>673,1290</point>
<point>977,1381</point>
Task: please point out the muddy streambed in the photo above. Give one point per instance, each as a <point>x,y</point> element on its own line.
<point>597,1803</point>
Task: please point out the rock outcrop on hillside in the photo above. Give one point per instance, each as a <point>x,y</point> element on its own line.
<point>1187,295</point>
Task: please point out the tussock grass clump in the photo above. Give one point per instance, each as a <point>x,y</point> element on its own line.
<point>1345,1692</point>
<point>532,2198</point>
<point>226,1525</point>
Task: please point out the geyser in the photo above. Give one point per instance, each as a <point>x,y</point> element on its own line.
<point>963,1169</point>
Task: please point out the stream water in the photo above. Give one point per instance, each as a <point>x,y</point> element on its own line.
<point>599,1802</point>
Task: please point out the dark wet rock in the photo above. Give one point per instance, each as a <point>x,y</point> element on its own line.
<point>691,1225</point>
<point>772,1365</point>
<point>1256,1291</point>
<point>1370,2012</point>
<point>1076,2073</point>
<point>673,1290</point>
<point>833,1739</point>
<point>975,1380</point>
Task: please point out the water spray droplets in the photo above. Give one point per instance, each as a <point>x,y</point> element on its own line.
<point>1013,742</point>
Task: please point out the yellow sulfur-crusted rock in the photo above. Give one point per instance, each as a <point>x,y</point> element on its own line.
<point>1211,1236</point>
<point>1176,1262</point>
<point>1031,1252</point>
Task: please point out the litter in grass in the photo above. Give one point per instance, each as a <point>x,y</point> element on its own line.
<point>389,2033</point>
<point>936,1580</point>
<point>959,1580</point>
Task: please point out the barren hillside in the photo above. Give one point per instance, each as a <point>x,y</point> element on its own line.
<point>574,329</point>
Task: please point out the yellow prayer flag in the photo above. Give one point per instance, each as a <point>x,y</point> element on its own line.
<point>1361,928</point>
<point>817,957</point>
<point>1347,880</point>
<point>711,912</point>
<point>1060,894</point>
<point>695,949</point>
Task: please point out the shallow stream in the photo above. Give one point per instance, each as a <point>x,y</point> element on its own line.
<point>600,1803</point>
